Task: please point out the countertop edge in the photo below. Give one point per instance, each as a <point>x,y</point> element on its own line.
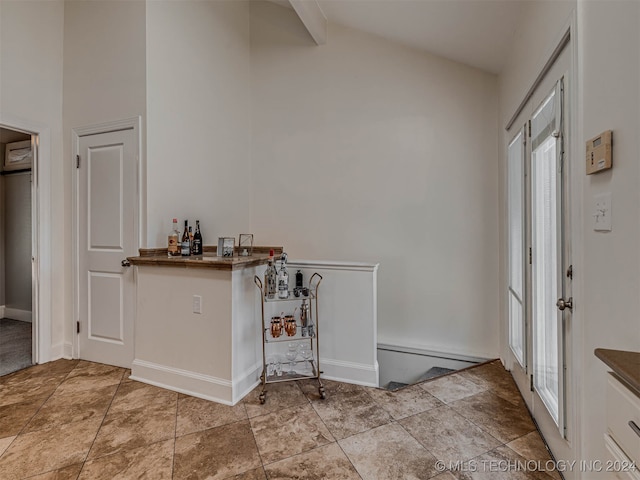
<point>625,364</point>
<point>189,262</point>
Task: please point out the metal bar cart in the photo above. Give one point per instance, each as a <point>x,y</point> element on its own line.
<point>290,336</point>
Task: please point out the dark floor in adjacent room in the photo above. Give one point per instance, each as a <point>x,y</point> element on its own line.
<point>15,345</point>
<point>73,419</point>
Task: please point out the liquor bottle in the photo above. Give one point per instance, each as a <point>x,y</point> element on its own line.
<point>191,241</point>
<point>197,240</point>
<point>173,249</point>
<point>186,243</point>
<point>270,278</point>
<point>283,278</point>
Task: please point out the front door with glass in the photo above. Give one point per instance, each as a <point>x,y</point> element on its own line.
<point>538,289</point>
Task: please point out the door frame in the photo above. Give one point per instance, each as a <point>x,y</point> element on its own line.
<point>574,333</point>
<point>41,234</point>
<point>134,123</point>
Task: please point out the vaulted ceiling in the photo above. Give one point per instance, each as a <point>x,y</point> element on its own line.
<point>473,32</point>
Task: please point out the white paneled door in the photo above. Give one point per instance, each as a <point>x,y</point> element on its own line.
<point>107,229</point>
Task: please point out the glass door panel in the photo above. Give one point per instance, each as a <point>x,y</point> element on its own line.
<point>545,286</point>
<point>515,187</point>
<point>546,223</point>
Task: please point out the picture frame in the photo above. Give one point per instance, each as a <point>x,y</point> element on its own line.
<point>245,244</point>
<point>226,246</point>
<point>18,156</point>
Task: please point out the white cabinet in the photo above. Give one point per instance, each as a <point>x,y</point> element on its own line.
<point>622,439</point>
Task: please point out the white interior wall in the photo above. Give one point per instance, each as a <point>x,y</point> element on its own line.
<point>104,80</point>
<point>31,46</point>
<point>198,111</point>
<point>610,71</point>
<point>366,150</point>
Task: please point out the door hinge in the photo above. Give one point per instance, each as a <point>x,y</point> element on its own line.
<point>570,272</point>
<point>77,161</point>
<point>78,326</point>
<point>530,256</point>
<point>531,382</point>
<point>529,128</point>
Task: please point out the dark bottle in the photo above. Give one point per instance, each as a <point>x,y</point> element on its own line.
<point>197,240</point>
<point>186,242</point>
<point>299,279</point>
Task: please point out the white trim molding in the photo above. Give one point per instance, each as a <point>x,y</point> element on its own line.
<point>183,381</point>
<point>247,381</point>
<point>334,265</point>
<point>350,372</point>
<point>17,314</point>
<point>42,234</point>
<point>430,351</point>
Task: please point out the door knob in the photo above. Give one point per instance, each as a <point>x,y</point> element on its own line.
<point>562,303</point>
<point>125,263</point>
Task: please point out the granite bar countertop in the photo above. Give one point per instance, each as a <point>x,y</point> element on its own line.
<point>158,257</point>
<point>624,364</point>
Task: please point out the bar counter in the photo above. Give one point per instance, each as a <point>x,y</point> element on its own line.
<point>209,259</point>
<point>196,330</point>
<point>624,364</point>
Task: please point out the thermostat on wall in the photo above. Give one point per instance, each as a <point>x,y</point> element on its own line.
<point>599,153</point>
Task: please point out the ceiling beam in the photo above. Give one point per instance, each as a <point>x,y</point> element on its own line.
<point>313,19</point>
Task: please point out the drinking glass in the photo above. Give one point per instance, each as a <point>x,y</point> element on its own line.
<point>306,353</point>
<point>291,354</point>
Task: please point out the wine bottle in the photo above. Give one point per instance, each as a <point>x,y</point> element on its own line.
<point>197,240</point>
<point>191,241</point>
<point>270,278</point>
<point>186,243</point>
<point>173,249</point>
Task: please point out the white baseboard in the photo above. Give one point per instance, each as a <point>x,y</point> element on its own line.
<point>16,314</point>
<point>183,381</point>
<point>349,372</point>
<point>55,353</point>
<point>67,350</point>
<point>248,380</point>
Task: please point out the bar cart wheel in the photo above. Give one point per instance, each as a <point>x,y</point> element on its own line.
<point>321,392</point>
<point>262,398</point>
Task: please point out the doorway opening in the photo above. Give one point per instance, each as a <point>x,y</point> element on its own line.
<point>17,155</point>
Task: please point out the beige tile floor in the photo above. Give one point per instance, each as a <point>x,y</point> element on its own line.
<point>81,420</point>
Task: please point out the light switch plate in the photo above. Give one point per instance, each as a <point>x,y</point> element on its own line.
<point>602,212</point>
<point>197,304</point>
